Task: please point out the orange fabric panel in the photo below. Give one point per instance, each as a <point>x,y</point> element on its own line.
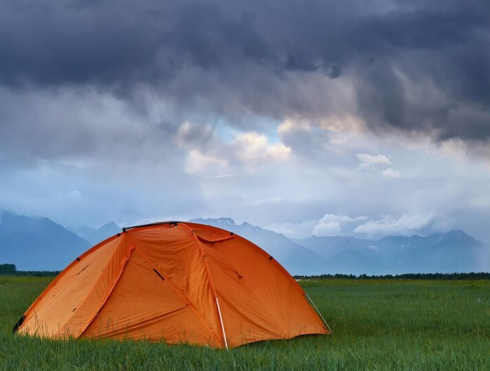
<point>173,251</point>
<point>143,306</point>
<point>246,318</point>
<point>284,302</point>
<point>52,314</point>
<point>85,312</point>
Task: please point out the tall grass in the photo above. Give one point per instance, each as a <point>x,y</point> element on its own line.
<point>377,324</point>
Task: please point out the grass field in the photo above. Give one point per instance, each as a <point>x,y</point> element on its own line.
<point>377,324</point>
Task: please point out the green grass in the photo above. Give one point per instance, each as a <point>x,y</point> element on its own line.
<point>377,324</point>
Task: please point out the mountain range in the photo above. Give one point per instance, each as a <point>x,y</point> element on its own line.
<point>454,251</point>
<point>96,235</point>
<point>37,243</point>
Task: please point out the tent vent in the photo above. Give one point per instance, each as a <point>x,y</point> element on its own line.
<point>83,269</point>
<point>124,230</point>
<point>78,259</point>
<point>231,233</point>
<point>18,324</point>
<point>271,257</point>
<point>159,275</point>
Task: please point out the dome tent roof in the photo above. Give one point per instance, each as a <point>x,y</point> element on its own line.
<point>176,282</point>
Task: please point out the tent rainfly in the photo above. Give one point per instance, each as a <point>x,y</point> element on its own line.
<point>175,282</point>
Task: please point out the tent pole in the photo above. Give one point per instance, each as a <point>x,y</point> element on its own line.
<point>320,313</point>
<point>222,326</point>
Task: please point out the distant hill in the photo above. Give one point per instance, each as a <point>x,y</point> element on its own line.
<point>96,235</point>
<point>454,251</point>
<point>350,261</point>
<point>84,232</point>
<point>106,231</point>
<point>295,258</point>
<point>37,243</point>
<point>327,247</point>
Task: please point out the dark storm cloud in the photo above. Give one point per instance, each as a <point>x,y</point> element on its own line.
<point>112,43</point>
<point>416,66</point>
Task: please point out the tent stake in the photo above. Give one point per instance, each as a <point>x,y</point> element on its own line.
<point>222,326</point>
<point>320,313</point>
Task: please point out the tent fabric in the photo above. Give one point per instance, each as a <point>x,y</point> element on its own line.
<point>175,282</point>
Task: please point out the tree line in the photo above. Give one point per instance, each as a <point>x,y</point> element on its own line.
<point>410,276</point>
<point>10,269</point>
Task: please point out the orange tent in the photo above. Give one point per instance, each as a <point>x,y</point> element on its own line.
<point>175,282</point>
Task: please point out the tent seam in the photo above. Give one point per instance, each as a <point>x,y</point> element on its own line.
<point>81,302</point>
<point>217,240</point>
<point>210,276</point>
<point>109,291</point>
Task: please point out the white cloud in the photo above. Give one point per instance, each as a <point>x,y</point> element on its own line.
<point>205,152</point>
<point>407,224</point>
<point>328,225</point>
<point>221,176</point>
<point>208,154</point>
<point>291,125</point>
<point>367,160</point>
<point>197,136</point>
<point>252,148</point>
<point>269,200</point>
<point>331,224</point>
<point>199,163</point>
<point>390,173</point>
<point>293,230</point>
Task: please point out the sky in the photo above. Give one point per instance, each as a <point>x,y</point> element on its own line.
<point>306,117</point>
